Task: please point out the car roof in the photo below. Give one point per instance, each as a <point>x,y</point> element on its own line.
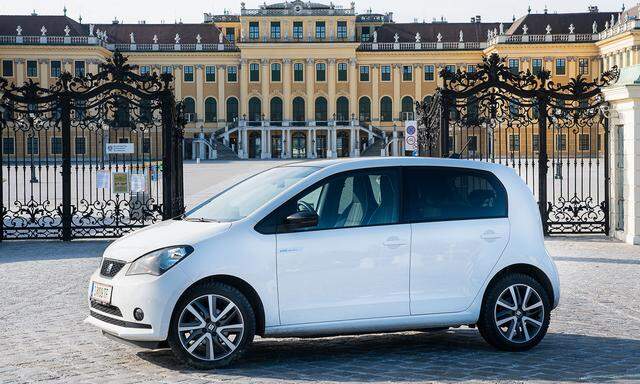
<point>366,162</point>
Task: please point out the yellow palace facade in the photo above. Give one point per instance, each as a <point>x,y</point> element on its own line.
<point>308,80</point>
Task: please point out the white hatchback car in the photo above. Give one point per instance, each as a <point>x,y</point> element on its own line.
<point>335,247</point>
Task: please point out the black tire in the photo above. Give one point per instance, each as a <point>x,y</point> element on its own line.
<point>222,291</point>
<point>490,316</point>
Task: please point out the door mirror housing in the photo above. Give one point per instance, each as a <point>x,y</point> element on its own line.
<point>301,220</point>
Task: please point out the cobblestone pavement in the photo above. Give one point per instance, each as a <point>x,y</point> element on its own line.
<point>594,334</point>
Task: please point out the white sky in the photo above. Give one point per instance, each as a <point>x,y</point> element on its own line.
<point>130,11</point>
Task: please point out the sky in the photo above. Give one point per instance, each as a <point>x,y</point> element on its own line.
<point>191,11</point>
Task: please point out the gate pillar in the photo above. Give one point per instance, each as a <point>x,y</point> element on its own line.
<point>623,156</point>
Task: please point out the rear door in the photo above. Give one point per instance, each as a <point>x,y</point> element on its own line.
<point>459,230</point>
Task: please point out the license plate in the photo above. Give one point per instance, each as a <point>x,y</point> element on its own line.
<point>101,293</point>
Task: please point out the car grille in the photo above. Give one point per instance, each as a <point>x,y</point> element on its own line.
<point>119,323</point>
<point>110,267</point>
<point>110,309</point>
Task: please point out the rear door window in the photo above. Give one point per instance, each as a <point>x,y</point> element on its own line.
<point>445,193</point>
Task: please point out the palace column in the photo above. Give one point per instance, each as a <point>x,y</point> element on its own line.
<point>44,72</point>
<point>222,103</point>
<point>286,90</point>
<point>417,77</point>
<point>244,88</point>
<point>353,86</point>
<point>20,73</point>
<point>177,81</point>
<point>375,94</point>
<point>331,107</point>
<point>199,92</point>
<point>264,83</point>
<point>310,79</point>
<point>396,92</point>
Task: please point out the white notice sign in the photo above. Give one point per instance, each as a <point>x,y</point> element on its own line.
<point>138,182</point>
<point>102,179</point>
<point>119,148</point>
<point>411,136</point>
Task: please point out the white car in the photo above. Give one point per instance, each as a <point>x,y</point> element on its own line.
<point>335,247</point>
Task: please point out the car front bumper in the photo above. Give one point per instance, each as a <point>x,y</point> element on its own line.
<point>155,295</point>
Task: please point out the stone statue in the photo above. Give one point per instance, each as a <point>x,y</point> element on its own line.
<point>43,30</point>
<point>461,39</point>
<point>66,30</point>
<point>396,37</point>
<point>91,26</point>
<point>177,38</point>
<point>132,38</point>
<point>548,29</point>
<point>220,38</point>
<point>19,30</point>
<point>525,29</point>
<point>439,37</point>
<point>198,39</point>
<point>594,27</point>
<point>501,29</point>
<point>571,29</point>
<point>417,37</point>
<point>155,39</point>
<point>375,36</point>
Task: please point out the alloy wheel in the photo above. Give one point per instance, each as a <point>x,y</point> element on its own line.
<point>519,313</point>
<point>211,327</point>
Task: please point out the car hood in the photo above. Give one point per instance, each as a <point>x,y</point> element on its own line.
<point>164,234</point>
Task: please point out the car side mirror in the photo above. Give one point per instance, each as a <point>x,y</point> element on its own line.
<point>302,219</point>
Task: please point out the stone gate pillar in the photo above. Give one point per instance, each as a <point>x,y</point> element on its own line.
<point>624,155</point>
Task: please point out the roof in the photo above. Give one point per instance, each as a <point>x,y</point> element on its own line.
<point>143,33</point>
<point>288,5</point>
<point>32,24</point>
<point>429,31</point>
<point>560,23</point>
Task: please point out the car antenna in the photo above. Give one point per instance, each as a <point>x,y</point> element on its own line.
<point>458,155</point>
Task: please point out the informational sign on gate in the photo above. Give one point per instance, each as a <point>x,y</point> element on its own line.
<point>411,136</point>
<point>119,148</point>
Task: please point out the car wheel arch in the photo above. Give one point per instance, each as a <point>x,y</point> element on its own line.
<point>245,288</point>
<point>526,269</point>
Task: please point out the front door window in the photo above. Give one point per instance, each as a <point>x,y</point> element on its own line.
<point>299,146</point>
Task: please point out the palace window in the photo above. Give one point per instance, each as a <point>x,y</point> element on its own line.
<point>254,30</point>
<point>275,72</point>
<point>450,68</point>
<point>8,146</point>
<point>561,67</point>
<point>321,72</point>
<point>514,66</point>
<point>7,68</point>
<point>342,71</point>
<point>583,66</point>
<point>298,30</point>
<point>535,142</point>
<point>386,109</point>
<point>32,145</point>
<point>407,73</point>
<point>429,73</point>
<point>561,142</point>
<point>232,74</point>
<point>145,70</point>
<point>79,68</point>
<point>342,29</point>
<point>188,73</point>
<point>231,34</point>
<point>471,68</point>
<point>321,30</point>
<point>210,73</point>
<point>32,68</point>
<point>536,65</point>
<point>514,142</point>
<point>385,73</point>
<point>298,72</point>
<point>210,110</point>
<point>365,33</point>
<point>167,69</point>
<point>80,145</point>
<point>275,30</point>
<point>364,73</point>
<point>584,142</point>
<point>146,145</point>
<point>56,145</point>
<point>254,72</point>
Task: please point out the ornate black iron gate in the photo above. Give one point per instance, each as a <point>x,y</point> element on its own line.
<point>91,156</point>
<point>555,136</point>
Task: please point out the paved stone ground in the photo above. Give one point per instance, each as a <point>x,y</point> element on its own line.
<point>594,334</point>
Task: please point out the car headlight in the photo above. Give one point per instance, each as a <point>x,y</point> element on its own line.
<point>159,261</point>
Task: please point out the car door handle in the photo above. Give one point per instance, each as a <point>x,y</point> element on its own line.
<point>490,236</point>
<point>394,242</point>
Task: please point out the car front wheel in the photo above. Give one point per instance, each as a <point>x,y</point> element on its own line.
<point>212,326</point>
<point>515,313</point>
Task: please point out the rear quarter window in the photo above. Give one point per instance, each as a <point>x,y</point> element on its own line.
<point>445,193</point>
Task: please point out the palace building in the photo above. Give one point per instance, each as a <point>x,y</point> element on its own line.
<point>309,80</point>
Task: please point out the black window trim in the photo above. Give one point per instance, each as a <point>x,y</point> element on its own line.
<point>401,169</point>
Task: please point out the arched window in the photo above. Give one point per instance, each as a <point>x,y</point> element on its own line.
<point>276,109</point>
<point>210,110</point>
<point>427,100</point>
<point>407,108</point>
<point>386,109</point>
<point>342,110</point>
<point>146,114</point>
<point>255,109</point>
<point>298,111</point>
<point>364,109</point>
<point>123,114</point>
<point>189,109</point>
<point>321,111</point>
<point>232,109</point>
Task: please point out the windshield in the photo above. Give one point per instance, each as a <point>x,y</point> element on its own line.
<point>242,199</point>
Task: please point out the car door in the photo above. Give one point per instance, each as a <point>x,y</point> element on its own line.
<point>459,230</point>
<point>354,263</point>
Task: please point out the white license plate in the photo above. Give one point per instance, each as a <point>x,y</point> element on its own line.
<point>101,292</point>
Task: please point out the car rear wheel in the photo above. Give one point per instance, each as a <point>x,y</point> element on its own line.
<point>515,313</point>
<point>212,325</point>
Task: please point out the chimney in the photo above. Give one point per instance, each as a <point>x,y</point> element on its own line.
<point>478,19</point>
<point>473,20</point>
<point>593,9</point>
